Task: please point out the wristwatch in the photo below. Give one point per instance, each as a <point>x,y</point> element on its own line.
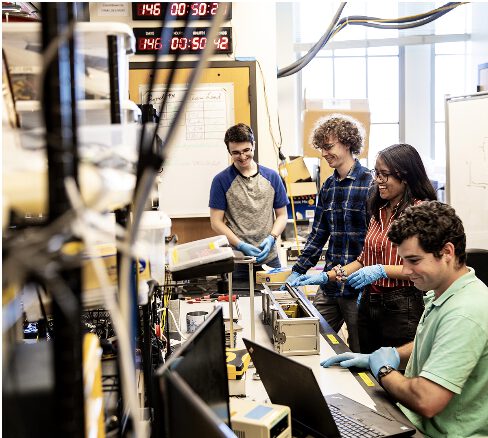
<point>274,236</point>
<point>384,371</point>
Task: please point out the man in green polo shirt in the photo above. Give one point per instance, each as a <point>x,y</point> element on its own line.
<point>444,391</point>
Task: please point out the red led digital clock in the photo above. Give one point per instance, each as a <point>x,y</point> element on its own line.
<point>145,10</point>
<point>181,40</point>
<point>178,10</point>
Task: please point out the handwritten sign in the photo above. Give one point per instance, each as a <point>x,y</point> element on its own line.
<point>206,115</point>
<point>199,152</point>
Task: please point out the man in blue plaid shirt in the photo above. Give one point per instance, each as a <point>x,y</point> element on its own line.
<point>341,219</point>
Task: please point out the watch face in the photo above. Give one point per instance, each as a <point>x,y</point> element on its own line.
<point>385,370</point>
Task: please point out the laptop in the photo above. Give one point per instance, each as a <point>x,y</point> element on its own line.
<point>292,384</point>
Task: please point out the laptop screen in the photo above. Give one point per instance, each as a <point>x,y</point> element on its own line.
<point>292,384</point>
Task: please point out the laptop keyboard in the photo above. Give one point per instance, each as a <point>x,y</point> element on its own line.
<point>349,428</point>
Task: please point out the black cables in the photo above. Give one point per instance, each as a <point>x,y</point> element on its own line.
<point>337,25</point>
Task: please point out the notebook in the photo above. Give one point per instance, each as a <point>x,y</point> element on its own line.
<point>292,384</point>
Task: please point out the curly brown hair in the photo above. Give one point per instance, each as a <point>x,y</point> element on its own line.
<point>434,224</point>
<point>347,130</point>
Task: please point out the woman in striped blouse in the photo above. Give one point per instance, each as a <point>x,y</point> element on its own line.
<point>390,306</point>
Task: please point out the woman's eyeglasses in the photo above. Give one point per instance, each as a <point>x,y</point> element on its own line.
<point>381,176</point>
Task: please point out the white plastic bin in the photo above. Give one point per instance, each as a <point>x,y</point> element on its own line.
<point>155,226</point>
<point>199,252</point>
<point>22,44</point>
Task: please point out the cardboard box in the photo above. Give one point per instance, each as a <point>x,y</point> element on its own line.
<point>304,199</point>
<point>109,258</point>
<point>325,171</point>
<point>277,275</point>
<point>318,109</point>
<point>303,189</point>
<point>297,170</point>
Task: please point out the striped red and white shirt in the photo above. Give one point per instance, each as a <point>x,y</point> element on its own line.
<point>378,249</point>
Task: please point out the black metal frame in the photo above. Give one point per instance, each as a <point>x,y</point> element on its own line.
<point>59,109</point>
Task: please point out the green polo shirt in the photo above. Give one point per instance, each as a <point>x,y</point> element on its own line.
<point>451,349</point>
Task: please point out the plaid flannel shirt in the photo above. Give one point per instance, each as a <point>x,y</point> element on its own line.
<point>341,217</point>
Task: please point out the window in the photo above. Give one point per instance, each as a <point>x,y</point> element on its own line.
<point>452,75</point>
<point>355,73</point>
<point>351,69</point>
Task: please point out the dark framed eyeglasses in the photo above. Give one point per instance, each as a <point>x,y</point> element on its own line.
<point>243,152</point>
<point>325,146</point>
<point>381,176</point>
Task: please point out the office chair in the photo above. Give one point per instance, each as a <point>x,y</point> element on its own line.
<point>478,260</point>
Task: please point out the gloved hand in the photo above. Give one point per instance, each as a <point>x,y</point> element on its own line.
<point>248,249</point>
<point>382,357</point>
<point>347,360</point>
<point>291,278</point>
<point>265,247</point>
<point>304,280</point>
<point>366,275</point>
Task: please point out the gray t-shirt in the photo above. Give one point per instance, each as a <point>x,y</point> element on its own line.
<point>248,203</point>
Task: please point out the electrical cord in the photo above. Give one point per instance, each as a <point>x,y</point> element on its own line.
<point>364,20</point>
<point>60,291</point>
<point>141,192</point>
<point>145,157</point>
<point>147,179</point>
<point>177,325</point>
<point>127,367</point>
<point>361,20</point>
<point>317,46</point>
<point>276,145</point>
<point>379,23</point>
<point>43,311</point>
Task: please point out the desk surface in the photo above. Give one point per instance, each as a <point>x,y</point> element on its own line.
<point>364,390</point>
<point>331,380</point>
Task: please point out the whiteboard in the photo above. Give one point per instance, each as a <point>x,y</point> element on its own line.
<point>198,152</point>
<point>467,164</point>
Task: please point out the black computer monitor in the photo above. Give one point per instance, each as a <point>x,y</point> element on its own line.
<point>186,415</point>
<point>201,363</point>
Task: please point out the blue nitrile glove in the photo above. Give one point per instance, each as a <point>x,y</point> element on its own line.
<point>291,278</point>
<point>305,279</point>
<point>347,360</point>
<point>382,357</point>
<point>248,249</point>
<point>366,275</point>
<point>265,247</point>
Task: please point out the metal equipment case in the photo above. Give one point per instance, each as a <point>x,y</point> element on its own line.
<point>295,331</point>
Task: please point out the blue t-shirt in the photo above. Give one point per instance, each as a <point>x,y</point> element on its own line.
<point>248,202</point>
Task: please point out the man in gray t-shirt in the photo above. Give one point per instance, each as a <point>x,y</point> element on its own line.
<point>248,201</point>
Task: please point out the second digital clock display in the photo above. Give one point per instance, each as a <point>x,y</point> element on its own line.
<point>181,40</point>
